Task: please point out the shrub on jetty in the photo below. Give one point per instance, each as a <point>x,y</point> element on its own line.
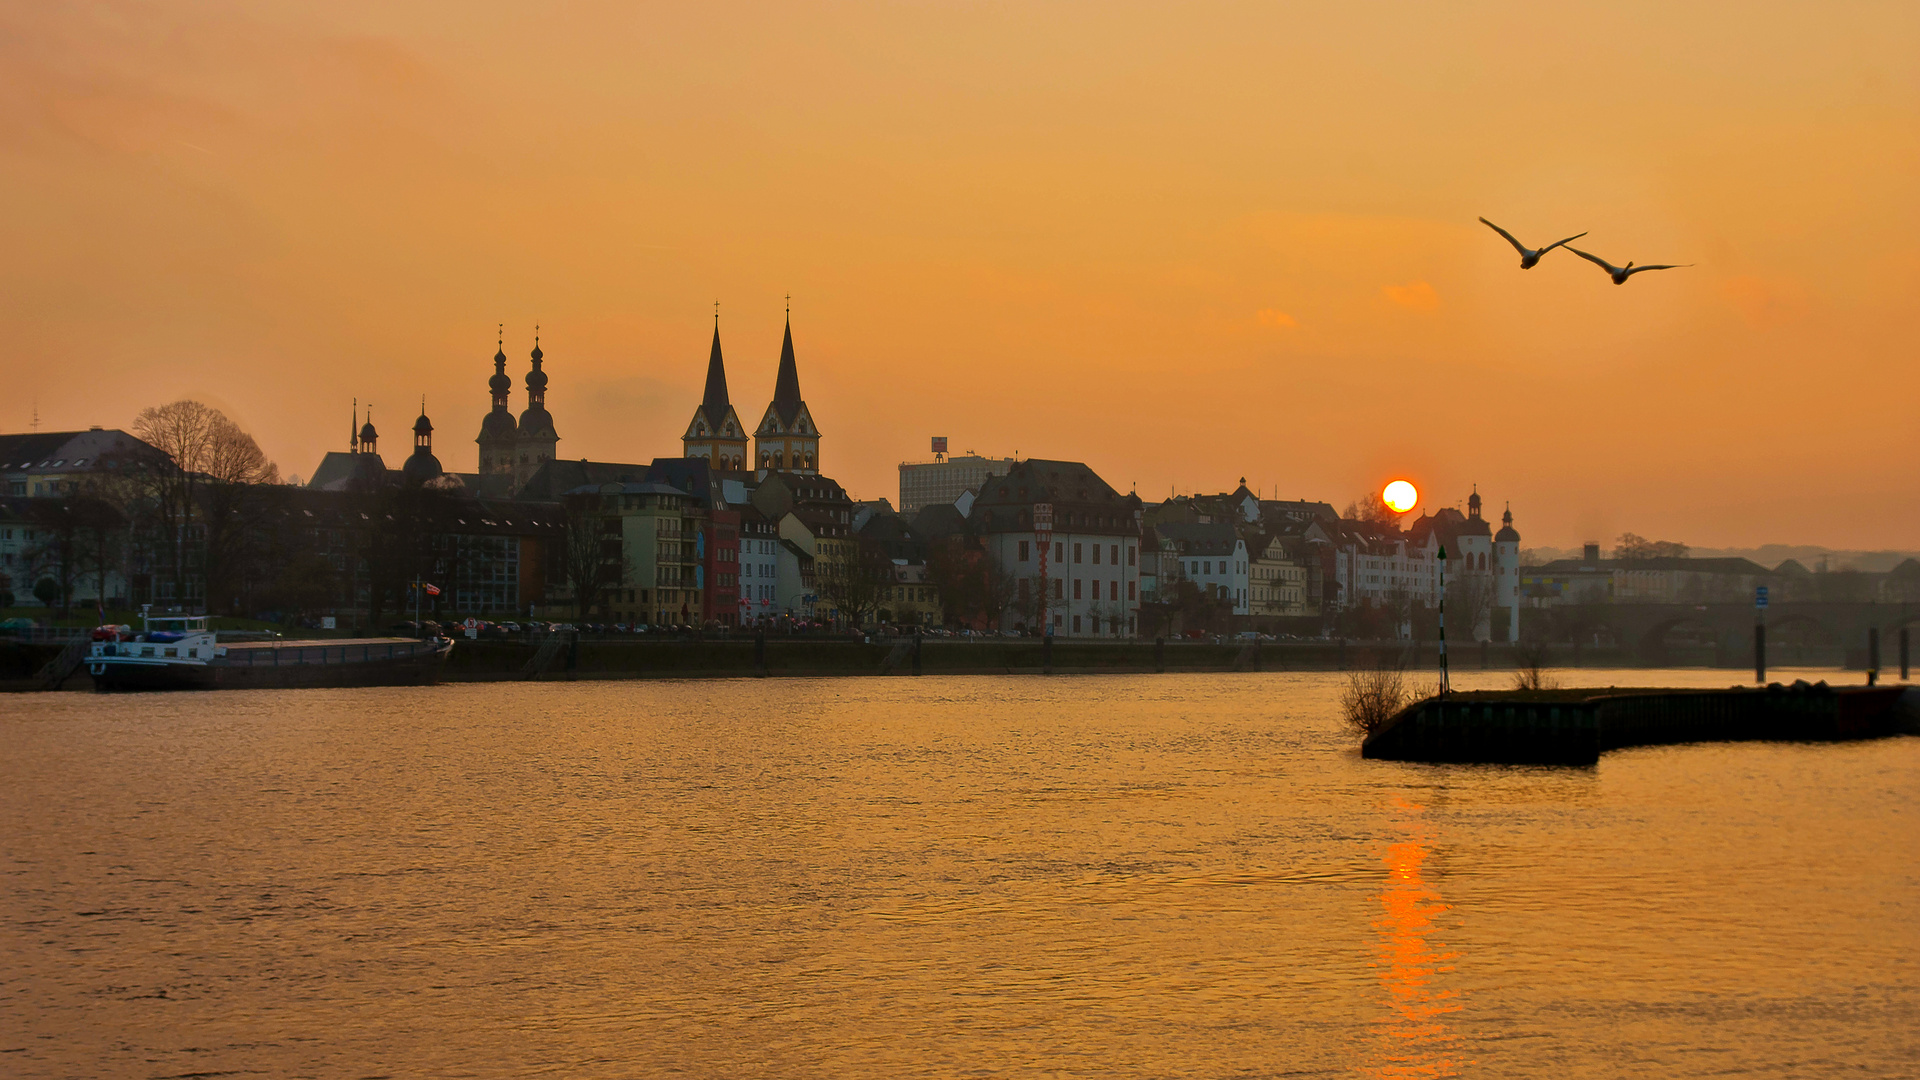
<point>1374,693</point>
<point>1532,659</point>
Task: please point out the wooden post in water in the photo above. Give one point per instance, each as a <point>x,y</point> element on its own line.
<point>1873,655</point>
<point>916,650</point>
<point>1903,654</point>
<point>760,654</point>
<point>1160,651</point>
<point>1760,652</point>
<point>1046,652</point>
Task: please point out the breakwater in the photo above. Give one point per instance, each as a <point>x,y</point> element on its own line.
<point>1574,727</point>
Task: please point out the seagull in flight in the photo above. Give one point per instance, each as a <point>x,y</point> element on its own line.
<point>1528,257</point>
<point>1620,274</point>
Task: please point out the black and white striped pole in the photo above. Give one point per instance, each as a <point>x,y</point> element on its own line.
<point>1443,620</point>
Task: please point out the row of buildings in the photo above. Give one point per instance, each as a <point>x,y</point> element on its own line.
<point>745,527</point>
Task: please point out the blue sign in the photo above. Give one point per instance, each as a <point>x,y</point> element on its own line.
<point>1760,596</point>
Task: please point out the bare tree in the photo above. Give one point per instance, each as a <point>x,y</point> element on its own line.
<point>1372,509</point>
<point>1376,691</point>
<point>854,585</point>
<point>234,490</point>
<point>1470,599</point>
<point>184,432</point>
<point>974,588</point>
<point>1632,546</point>
<point>205,450</point>
<point>1532,660</point>
<point>594,554</point>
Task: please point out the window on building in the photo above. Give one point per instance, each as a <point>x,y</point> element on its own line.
<point>1113,590</point>
<point>1023,551</point>
<point>1113,554</point>
<point>1059,552</point>
<point>1076,592</point>
<point>1096,554</point>
<point>1059,588</point>
<point>1076,624</point>
<point>1076,554</point>
<point>1132,555</point>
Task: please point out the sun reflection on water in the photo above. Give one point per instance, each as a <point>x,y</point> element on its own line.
<point>1413,1039</point>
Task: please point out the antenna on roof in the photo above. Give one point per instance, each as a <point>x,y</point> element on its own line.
<point>36,415</point>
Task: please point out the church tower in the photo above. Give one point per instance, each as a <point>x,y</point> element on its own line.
<point>715,432</point>
<point>499,435</point>
<point>1506,554</point>
<point>537,439</point>
<point>421,466</point>
<point>787,439</point>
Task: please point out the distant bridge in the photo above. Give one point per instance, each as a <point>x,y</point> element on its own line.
<point>1797,631</point>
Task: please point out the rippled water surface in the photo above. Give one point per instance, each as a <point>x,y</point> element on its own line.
<point>1080,876</point>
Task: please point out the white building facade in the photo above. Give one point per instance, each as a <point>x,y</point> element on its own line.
<point>1212,556</point>
<point>1071,545</point>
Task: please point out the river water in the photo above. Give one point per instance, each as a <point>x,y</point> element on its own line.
<point>1098,876</point>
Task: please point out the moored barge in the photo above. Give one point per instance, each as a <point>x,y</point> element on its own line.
<point>181,653</point>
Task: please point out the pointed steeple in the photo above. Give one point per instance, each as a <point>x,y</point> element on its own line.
<point>715,399</point>
<point>786,386</point>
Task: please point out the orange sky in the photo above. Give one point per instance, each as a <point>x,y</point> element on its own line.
<point>1183,243</point>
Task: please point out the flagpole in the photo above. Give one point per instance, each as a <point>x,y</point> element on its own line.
<point>1443,620</point>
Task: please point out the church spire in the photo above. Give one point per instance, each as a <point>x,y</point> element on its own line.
<point>715,399</point>
<point>786,386</point>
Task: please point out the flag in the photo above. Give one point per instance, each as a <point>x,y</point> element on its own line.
<point>433,590</point>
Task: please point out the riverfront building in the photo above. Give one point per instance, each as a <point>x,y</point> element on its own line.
<point>1070,542</point>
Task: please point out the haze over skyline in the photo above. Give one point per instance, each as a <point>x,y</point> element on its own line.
<point>1183,245</point>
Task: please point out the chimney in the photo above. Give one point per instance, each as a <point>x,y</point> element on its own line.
<point>1590,554</point>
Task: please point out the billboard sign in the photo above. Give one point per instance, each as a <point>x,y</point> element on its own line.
<point>939,444</point>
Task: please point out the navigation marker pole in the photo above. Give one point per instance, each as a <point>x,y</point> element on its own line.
<point>1444,687</point>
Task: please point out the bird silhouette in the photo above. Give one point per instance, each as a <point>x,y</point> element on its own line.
<point>1620,274</point>
<point>1528,256</point>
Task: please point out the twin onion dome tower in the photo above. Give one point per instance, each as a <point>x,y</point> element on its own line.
<point>786,439</point>
<point>517,449</point>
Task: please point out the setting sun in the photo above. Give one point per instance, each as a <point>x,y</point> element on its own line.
<point>1400,496</point>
